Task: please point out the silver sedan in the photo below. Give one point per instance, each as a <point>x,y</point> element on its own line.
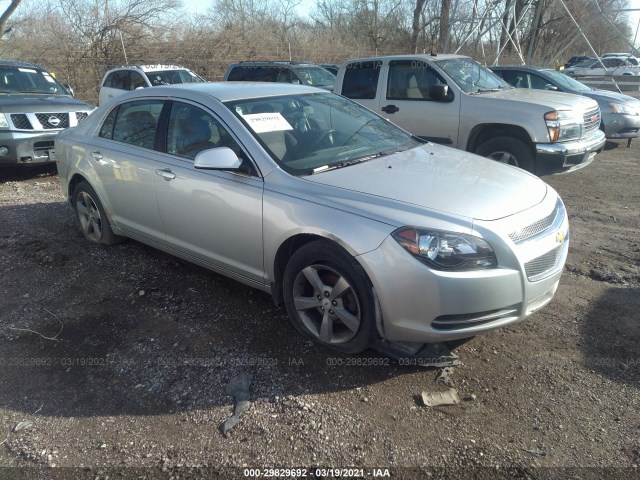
<point>361,230</point>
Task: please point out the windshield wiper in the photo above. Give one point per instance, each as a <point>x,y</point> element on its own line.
<point>348,163</point>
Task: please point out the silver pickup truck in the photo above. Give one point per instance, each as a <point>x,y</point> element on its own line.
<point>455,101</point>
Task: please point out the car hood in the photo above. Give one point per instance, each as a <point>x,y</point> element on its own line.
<point>21,103</point>
<point>444,179</point>
<point>607,96</point>
<point>543,98</point>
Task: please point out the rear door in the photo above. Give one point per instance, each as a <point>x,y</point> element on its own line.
<point>124,158</point>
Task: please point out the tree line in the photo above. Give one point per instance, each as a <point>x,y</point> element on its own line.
<point>81,39</point>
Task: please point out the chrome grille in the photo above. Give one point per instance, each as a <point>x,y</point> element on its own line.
<point>591,120</point>
<point>537,227</point>
<point>44,119</point>
<point>538,267</point>
<point>21,122</point>
<point>81,116</point>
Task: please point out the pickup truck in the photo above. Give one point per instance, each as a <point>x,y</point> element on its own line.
<point>455,101</point>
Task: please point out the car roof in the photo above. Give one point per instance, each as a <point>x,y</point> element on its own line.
<point>150,67</point>
<point>229,91</point>
<point>16,63</point>
<point>275,62</point>
<point>433,57</point>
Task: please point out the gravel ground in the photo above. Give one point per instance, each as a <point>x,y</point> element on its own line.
<point>121,362</point>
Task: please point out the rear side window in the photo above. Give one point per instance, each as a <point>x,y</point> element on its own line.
<point>361,80</point>
<point>135,123</point>
<point>254,73</point>
<point>118,79</point>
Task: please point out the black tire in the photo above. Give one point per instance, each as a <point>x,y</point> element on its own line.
<point>509,150</point>
<point>342,319</point>
<point>93,219</point>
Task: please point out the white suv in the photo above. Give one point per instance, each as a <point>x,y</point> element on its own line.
<point>129,77</point>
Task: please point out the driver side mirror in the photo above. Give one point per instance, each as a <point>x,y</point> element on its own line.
<point>221,158</point>
<point>548,86</point>
<point>440,92</point>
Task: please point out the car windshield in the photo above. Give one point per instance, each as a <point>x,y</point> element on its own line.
<point>311,133</point>
<point>565,82</point>
<point>29,80</point>
<point>168,77</point>
<point>316,76</point>
<point>472,77</point>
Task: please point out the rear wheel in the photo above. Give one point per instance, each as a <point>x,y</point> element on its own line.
<point>509,150</point>
<point>92,216</point>
<point>329,297</point>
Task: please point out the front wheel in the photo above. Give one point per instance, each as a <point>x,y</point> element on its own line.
<point>329,297</point>
<point>92,216</point>
<point>509,150</point>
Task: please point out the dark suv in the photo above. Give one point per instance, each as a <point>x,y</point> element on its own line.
<point>34,107</point>
<point>280,71</point>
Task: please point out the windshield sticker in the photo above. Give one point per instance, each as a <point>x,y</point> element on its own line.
<point>267,122</point>
<point>27,70</point>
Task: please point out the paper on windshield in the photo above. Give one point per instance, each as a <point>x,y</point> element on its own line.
<point>267,122</point>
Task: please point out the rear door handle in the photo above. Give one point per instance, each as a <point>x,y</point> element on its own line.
<point>390,109</point>
<point>166,173</point>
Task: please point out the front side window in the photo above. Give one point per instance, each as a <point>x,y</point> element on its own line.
<point>411,80</point>
<point>315,76</point>
<point>192,130</point>
<point>137,81</point>
<point>361,80</point>
<point>312,133</point>
<point>135,123</point>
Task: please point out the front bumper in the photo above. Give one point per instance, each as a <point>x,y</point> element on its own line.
<point>568,156</point>
<point>422,305</point>
<point>620,125</point>
<point>25,148</point>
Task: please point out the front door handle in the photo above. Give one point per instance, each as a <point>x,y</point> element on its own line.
<point>390,109</point>
<point>96,155</point>
<point>166,173</point>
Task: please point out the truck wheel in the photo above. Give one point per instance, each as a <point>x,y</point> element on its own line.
<point>509,150</point>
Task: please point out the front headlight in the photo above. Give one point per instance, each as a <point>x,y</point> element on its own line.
<point>446,250</point>
<point>622,108</point>
<point>3,121</point>
<point>563,126</point>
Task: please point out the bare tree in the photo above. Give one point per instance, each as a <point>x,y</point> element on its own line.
<point>4,18</point>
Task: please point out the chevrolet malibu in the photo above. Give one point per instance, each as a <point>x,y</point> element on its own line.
<point>362,231</point>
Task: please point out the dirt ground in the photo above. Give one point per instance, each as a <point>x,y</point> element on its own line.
<point>115,362</point>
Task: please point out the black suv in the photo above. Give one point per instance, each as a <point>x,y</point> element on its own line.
<point>280,71</point>
<point>34,107</point>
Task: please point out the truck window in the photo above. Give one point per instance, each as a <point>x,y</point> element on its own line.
<point>411,80</point>
<point>361,80</point>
